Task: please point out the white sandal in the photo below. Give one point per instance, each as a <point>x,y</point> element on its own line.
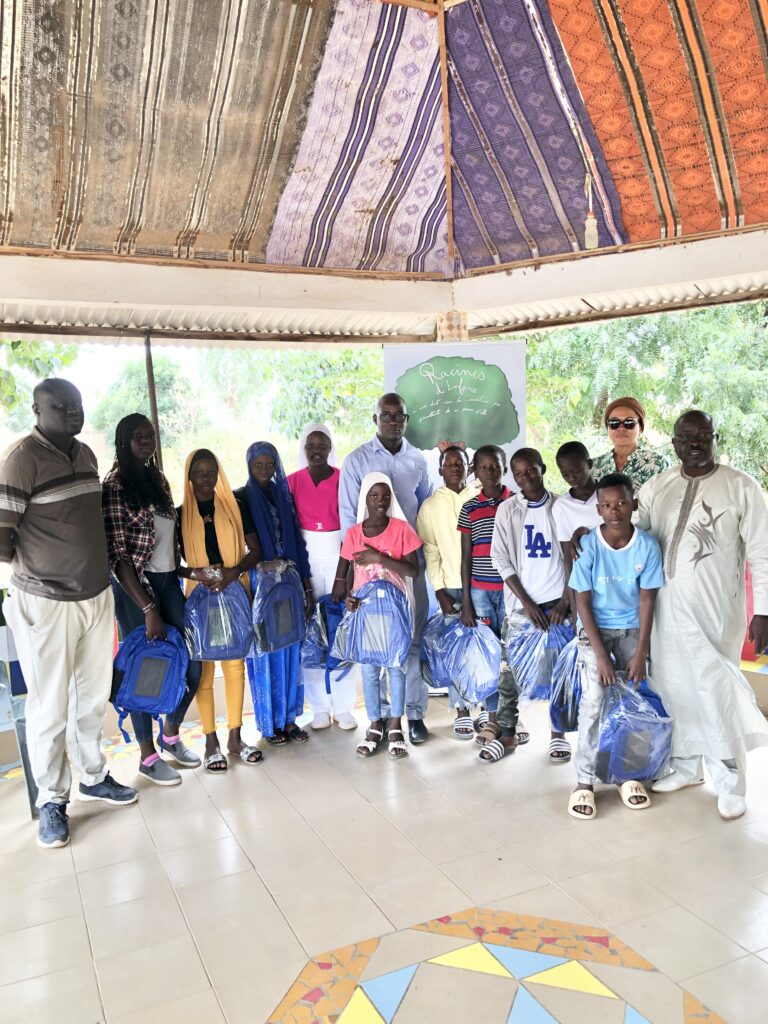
<point>480,721</point>
<point>397,748</point>
<point>582,798</point>
<point>495,750</point>
<point>463,728</point>
<point>367,747</point>
<point>247,752</point>
<point>627,790</point>
<point>559,745</point>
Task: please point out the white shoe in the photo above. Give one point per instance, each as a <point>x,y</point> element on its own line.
<point>730,806</point>
<point>674,781</point>
<point>346,720</point>
<point>321,721</point>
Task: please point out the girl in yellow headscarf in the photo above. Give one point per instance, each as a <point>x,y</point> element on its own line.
<point>216,532</point>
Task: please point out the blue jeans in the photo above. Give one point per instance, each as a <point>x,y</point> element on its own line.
<point>170,603</point>
<point>372,691</point>
<point>416,690</point>
<point>489,608</point>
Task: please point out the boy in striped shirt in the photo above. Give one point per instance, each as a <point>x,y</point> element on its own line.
<point>482,587</point>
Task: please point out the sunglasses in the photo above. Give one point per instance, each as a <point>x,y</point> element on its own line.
<point>629,423</point>
<point>393,417</point>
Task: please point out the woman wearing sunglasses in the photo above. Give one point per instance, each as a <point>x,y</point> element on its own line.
<point>631,454</point>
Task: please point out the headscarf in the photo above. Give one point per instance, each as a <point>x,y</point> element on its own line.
<point>630,403</point>
<point>315,428</point>
<point>275,521</point>
<point>394,511</point>
<point>227,521</point>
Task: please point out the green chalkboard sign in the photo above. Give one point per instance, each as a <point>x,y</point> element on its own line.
<point>460,399</point>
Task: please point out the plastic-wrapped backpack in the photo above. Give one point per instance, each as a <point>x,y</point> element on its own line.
<point>635,740</point>
<point>532,654</point>
<point>472,659</point>
<point>218,626</point>
<point>379,631</point>
<point>149,675</point>
<point>318,640</point>
<point>565,694</point>
<point>433,670</point>
<point>278,609</point>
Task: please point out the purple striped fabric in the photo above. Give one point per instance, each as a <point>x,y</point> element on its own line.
<point>370,165</point>
<point>522,140</point>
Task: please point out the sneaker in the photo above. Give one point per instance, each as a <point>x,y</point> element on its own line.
<point>322,720</point>
<point>108,790</point>
<point>160,773</point>
<point>346,720</point>
<point>54,826</point>
<point>730,806</point>
<point>673,781</point>
<point>181,754</point>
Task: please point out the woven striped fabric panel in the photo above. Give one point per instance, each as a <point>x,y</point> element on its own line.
<point>681,86</point>
<point>156,127</point>
<point>312,133</point>
<point>522,142</point>
<point>368,187</point>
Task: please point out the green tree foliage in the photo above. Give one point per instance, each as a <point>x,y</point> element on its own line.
<point>714,359</point>
<point>180,407</point>
<point>338,386</point>
<point>24,364</point>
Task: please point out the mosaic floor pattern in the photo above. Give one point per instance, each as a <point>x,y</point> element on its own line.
<point>493,966</point>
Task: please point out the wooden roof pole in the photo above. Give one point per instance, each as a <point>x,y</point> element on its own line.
<point>152,395</point>
<point>446,133</point>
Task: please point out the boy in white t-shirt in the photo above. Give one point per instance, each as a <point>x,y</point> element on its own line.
<point>577,508</point>
<point>526,554</point>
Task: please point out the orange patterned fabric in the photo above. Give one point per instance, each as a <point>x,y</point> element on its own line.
<point>600,85</point>
<point>732,40</point>
<point>681,71</point>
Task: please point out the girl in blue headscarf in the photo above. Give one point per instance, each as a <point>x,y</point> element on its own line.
<point>275,677</point>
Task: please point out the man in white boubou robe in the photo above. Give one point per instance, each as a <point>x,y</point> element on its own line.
<point>709,519</point>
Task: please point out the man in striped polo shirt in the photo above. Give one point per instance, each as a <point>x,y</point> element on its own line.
<point>482,587</point>
<point>60,607</point>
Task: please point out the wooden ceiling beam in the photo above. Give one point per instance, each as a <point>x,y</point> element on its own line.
<point>431,6</point>
<point>446,134</point>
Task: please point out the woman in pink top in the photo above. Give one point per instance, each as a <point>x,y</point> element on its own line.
<point>315,490</point>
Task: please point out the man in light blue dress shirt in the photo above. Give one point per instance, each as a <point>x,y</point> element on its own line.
<point>390,453</point>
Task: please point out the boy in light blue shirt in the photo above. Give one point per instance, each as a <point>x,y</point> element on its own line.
<point>615,579</point>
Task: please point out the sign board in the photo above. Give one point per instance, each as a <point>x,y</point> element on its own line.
<point>473,393</point>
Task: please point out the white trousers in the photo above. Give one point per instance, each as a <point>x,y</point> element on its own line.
<point>323,550</point>
<point>729,778</point>
<point>65,653</point>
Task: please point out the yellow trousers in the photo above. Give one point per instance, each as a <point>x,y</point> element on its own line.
<point>234,689</point>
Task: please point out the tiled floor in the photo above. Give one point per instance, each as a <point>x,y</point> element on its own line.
<point>205,902</point>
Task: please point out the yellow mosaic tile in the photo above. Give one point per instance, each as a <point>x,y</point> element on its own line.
<point>327,990</point>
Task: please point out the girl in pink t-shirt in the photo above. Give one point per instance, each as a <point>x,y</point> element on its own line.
<point>381,547</point>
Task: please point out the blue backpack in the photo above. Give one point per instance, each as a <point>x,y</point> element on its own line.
<point>431,654</point>
<point>635,741</point>
<point>149,675</point>
<point>218,625</point>
<point>532,654</point>
<point>319,639</point>
<point>379,631</point>
<point>565,696</point>
<point>278,610</point>
<point>472,658</point>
